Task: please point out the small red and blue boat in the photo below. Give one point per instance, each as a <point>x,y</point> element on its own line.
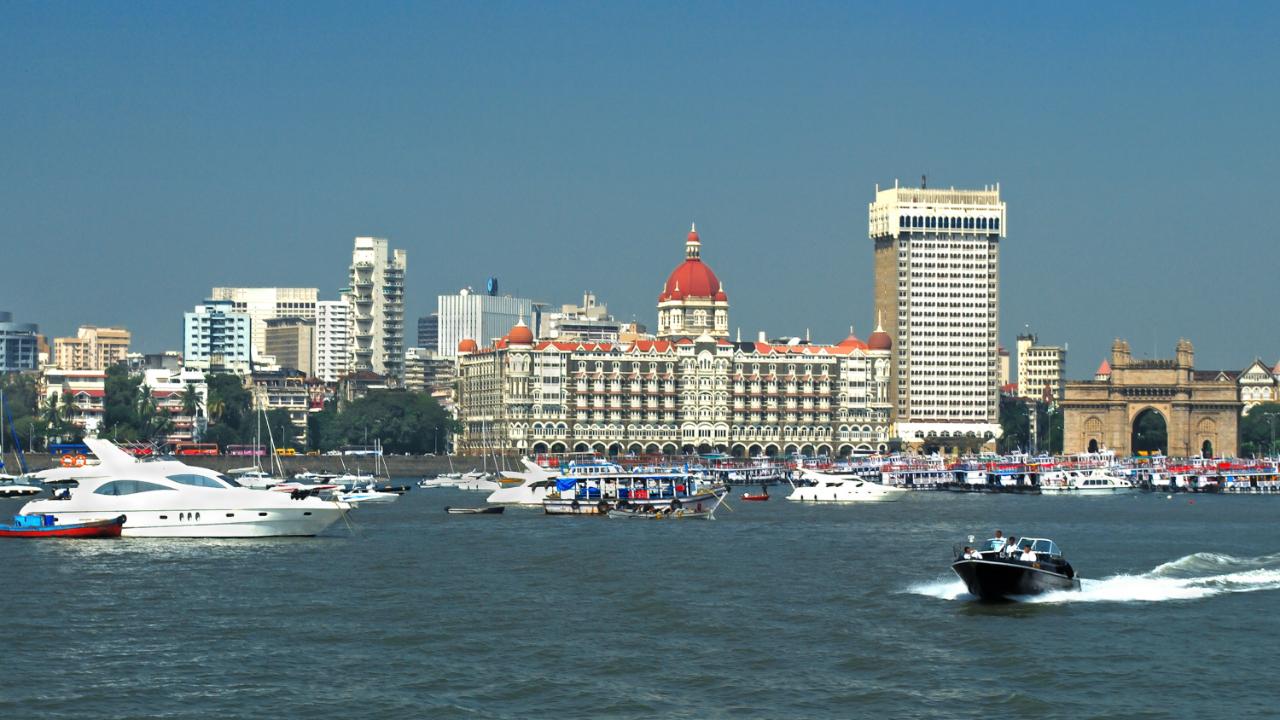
<point>44,526</point>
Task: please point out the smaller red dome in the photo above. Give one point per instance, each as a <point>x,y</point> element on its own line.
<point>880,340</point>
<point>852,343</point>
<point>520,334</point>
<point>693,236</point>
<point>468,346</point>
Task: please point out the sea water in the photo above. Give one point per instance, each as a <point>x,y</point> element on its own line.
<point>773,610</point>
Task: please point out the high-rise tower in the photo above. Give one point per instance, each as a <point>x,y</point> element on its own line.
<point>376,296</point>
<point>937,263</point>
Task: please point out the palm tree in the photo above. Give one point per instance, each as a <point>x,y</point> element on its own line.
<point>191,401</point>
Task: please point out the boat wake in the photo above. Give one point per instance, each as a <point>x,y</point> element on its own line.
<point>1192,577</point>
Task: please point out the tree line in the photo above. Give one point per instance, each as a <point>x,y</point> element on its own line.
<point>400,420</point>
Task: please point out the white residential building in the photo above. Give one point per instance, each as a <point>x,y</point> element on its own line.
<point>469,315</point>
<point>376,294</point>
<point>1040,367</point>
<point>268,303</point>
<point>937,271</point>
<point>332,340</point>
<point>216,337</point>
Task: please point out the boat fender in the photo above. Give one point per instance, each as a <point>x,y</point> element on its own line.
<point>602,506</point>
<point>675,505</point>
<point>574,504</point>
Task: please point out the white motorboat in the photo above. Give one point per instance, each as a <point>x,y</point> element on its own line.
<point>836,489</point>
<point>528,487</point>
<point>362,494</point>
<point>476,480</point>
<point>168,498</point>
<point>1092,481</point>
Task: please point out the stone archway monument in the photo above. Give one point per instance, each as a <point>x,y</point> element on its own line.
<point>1197,407</point>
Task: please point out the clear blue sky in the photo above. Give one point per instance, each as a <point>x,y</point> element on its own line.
<point>154,150</point>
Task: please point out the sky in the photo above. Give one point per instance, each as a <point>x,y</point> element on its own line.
<point>152,151</point>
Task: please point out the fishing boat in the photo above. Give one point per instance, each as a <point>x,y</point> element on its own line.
<point>47,526</point>
<point>594,487</point>
<point>993,572</point>
<point>491,510</point>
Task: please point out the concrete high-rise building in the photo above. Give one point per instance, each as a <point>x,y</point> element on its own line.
<point>376,293</point>
<point>291,341</point>
<point>937,269</point>
<point>470,315</point>
<point>93,348</point>
<point>332,340</point>
<point>216,337</point>
<point>589,321</point>
<point>268,303</point>
<point>1040,369</point>
<point>19,344</point>
<point>429,332</point>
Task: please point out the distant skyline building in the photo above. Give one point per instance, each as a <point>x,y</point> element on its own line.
<point>587,322</point>
<point>93,348</point>
<point>376,293</point>
<point>429,332</point>
<point>216,337</point>
<point>268,303</point>
<point>291,341</point>
<point>469,315</point>
<point>937,295</point>
<point>19,344</point>
<point>332,340</point>
<point>1040,368</point>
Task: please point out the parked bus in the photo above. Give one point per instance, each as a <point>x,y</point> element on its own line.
<point>286,451</point>
<point>246,450</point>
<point>185,448</point>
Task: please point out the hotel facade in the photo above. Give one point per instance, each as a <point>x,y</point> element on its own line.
<point>691,389</point>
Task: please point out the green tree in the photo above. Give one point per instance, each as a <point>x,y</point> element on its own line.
<point>1256,430</point>
<point>1015,422</point>
<point>402,421</point>
<point>120,404</point>
<point>20,394</point>
<point>230,405</point>
<point>1056,417</point>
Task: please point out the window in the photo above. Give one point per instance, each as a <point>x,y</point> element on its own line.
<point>195,480</point>
<point>127,487</point>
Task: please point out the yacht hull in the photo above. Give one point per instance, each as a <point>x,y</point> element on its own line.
<point>237,523</point>
<point>1006,579</point>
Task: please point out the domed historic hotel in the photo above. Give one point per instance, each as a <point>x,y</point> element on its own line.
<point>690,389</point>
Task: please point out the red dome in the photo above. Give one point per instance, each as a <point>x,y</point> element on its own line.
<point>468,345</point>
<point>880,340</point>
<point>520,334</point>
<point>693,278</point>
<point>852,343</point>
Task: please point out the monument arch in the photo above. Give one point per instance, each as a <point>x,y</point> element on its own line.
<point>1201,410</point>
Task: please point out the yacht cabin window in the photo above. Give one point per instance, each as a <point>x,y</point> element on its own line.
<point>196,480</point>
<point>128,487</point>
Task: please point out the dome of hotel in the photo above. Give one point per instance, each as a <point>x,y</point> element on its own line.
<point>880,340</point>
<point>468,346</point>
<point>520,334</point>
<point>693,278</point>
<point>852,343</point>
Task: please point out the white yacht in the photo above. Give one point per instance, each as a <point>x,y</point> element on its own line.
<point>1092,481</point>
<point>838,489</point>
<point>529,487</point>
<point>168,498</point>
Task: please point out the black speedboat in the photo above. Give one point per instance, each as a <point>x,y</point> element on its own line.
<point>991,574</point>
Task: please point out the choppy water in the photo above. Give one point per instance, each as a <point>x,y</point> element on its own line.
<point>775,610</point>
